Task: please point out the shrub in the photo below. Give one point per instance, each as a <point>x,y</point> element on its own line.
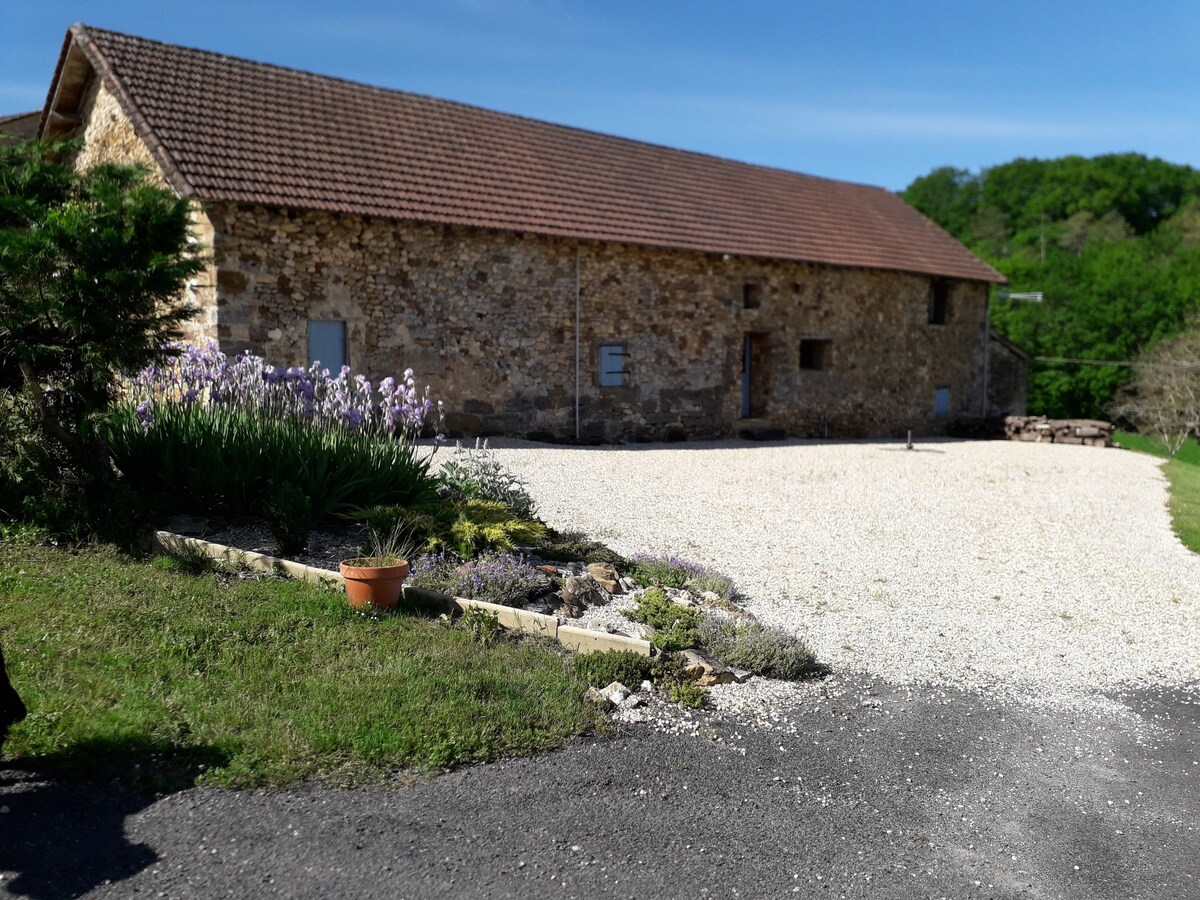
<point>575,546</point>
<point>483,525</point>
<point>764,650</point>
<point>602,669</point>
<point>92,264</point>
<point>476,474</point>
<point>502,578</point>
<point>674,625</point>
<point>681,573</point>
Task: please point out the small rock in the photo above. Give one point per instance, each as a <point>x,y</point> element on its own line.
<point>645,632</point>
<point>598,697</point>
<point>633,701</point>
<point>615,692</point>
<point>704,670</point>
<point>552,571</point>
<point>683,598</point>
<point>741,676</point>
<point>601,626</point>
<point>647,686</point>
<point>872,703</point>
<point>605,575</point>
<point>578,593</point>
<point>709,598</point>
<point>627,584</point>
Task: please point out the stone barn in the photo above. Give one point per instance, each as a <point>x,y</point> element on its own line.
<point>545,281</point>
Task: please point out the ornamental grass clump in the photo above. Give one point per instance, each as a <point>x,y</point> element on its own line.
<point>764,650</point>
<point>218,434</point>
<point>671,571</point>
<point>503,578</point>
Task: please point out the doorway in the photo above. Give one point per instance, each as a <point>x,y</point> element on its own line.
<point>756,374</point>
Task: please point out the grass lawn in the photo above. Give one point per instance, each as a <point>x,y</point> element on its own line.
<point>1183,472</point>
<point>163,676</point>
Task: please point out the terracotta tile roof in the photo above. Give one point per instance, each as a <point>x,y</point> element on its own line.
<point>231,129</point>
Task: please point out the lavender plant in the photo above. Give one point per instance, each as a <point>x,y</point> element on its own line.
<point>672,571</point>
<point>503,578</point>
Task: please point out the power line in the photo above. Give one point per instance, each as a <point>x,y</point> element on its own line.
<point>1113,362</point>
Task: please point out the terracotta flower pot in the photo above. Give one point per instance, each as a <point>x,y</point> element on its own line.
<point>373,586</point>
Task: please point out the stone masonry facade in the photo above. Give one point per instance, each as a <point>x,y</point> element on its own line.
<point>488,320</point>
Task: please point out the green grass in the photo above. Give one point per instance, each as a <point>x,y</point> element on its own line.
<point>1183,474</point>
<point>163,676</point>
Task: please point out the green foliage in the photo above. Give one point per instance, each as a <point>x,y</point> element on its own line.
<point>1113,242</point>
<point>625,666</point>
<point>216,459</point>
<point>289,513</point>
<point>762,649</point>
<point>91,265</point>
<point>682,574</point>
<point>504,578</point>
<point>164,678</point>
<point>481,525</point>
<point>483,626</point>
<point>658,571</point>
<point>667,674</point>
<point>476,474</point>
<point>674,625</point>
<point>575,546</point>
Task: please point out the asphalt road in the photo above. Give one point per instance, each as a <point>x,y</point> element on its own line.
<point>930,794</point>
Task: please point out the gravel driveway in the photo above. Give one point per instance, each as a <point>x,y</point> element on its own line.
<point>1050,571</point>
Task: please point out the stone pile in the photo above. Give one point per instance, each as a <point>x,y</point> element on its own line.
<point>1039,429</point>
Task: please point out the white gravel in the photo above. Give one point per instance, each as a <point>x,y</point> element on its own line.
<point>1044,571</point>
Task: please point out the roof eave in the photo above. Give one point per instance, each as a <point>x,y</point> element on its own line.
<point>80,57</point>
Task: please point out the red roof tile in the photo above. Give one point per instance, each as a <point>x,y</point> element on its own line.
<point>231,129</point>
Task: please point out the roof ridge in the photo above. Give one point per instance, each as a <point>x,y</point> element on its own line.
<point>443,101</point>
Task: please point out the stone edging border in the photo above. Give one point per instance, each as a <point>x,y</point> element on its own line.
<point>581,640</point>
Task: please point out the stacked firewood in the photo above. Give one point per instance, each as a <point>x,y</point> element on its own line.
<point>1090,432</point>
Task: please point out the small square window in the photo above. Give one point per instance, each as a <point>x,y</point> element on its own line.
<point>612,365</point>
<point>815,353</point>
<point>751,295</point>
<point>941,401</point>
<point>939,302</point>
<point>327,344</point>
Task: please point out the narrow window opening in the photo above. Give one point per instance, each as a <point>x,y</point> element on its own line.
<point>941,401</point>
<point>816,354</point>
<point>751,295</point>
<point>612,365</point>
<point>939,302</point>
<point>327,344</point>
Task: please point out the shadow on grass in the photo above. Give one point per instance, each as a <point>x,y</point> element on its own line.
<point>64,832</point>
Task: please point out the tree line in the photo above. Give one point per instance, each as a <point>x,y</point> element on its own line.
<point>1112,242</point>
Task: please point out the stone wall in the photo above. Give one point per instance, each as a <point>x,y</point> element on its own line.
<point>488,320</point>
<point>109,137</point>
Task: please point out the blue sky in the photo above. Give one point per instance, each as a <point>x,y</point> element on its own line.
<point>865,90</point>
